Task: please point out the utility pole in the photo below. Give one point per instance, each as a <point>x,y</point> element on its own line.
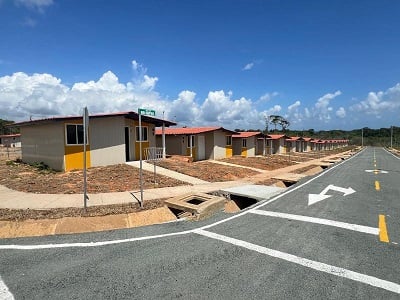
<point>391,136</point>
<point>362,137</point>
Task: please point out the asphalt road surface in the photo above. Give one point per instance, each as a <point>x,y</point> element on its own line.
<point>340,242</point>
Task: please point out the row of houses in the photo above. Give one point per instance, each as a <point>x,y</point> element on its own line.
<point>217,142</point>
<point>115,138</point>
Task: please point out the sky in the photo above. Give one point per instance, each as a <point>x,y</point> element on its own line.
<point>320,64</point>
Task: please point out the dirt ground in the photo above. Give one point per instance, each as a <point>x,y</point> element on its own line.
<point>206,170</point>
<point>116,178</point>
<point>23,177</point>
<point>92,211</point>
<point>270,162</point>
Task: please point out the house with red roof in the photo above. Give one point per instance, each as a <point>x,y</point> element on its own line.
<point>112,139</point>
<point>277,143</point>
<point>10,140</point>
<point>200,143</point>
<point>246,143</point>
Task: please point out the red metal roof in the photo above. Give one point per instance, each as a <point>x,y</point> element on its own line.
<point>129,115</point>
<point>276,136</point>
<point>246,134</point>
<point>10,135</point>
<point>190,130</point>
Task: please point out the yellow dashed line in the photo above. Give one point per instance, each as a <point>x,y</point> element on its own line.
<point>383,235</point>
<point>377,186</point>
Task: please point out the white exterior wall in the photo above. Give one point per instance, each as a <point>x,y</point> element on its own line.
<point>251,146</point>
<point>44,143</point>
<point>219,145</point>
<point>107,141</point>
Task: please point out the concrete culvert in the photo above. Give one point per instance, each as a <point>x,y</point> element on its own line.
<point>242,202</point>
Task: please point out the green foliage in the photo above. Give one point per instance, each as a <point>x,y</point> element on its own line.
<point>6,130</point>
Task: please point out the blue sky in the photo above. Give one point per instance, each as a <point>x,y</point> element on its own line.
<point>321,64</point>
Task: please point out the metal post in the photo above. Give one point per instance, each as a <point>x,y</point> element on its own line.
<point>191,146</point>
<point>140,160</point>
<point>391,136</point>
<point>85,131</point>
<point>362,137</point>
<point>164,154</point>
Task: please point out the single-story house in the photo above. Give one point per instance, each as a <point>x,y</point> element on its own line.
<point>295,144</point>
<point>112,139</point>
<point>10,140</point>
<point>278,142</point>
<point>200,143</point>
<point>307,144</point>
<point>245,143</point>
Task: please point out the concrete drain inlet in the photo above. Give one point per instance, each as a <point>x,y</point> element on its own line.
<point>195,206</point>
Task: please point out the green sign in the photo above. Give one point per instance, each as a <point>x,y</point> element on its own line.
<point>150,112</point>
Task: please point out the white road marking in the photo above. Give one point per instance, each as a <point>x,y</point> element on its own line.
<point>330,269</point>
<point>113,242</point>
<point>391,153</point>
<point>5,294</point>
<point>90,244</point>
<point>349,226</point>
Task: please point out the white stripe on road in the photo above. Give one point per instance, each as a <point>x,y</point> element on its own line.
<point>96,244</point>
<point>90,244</point>
<point>5,294</point>
<point>354,227</point>
<point>337,271</point>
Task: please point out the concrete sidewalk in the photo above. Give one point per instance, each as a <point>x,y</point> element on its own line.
<point>169,173</point>
<point>19,200</point>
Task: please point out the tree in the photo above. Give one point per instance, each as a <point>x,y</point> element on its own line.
<point>3,126</point>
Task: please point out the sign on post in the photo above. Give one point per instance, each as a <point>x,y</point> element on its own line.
<point>150,112</point>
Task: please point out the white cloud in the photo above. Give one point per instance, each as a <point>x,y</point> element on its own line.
<point>341,113</point>
<point>268,96</point>
<point>294,106</point>
<point>379,103</point>
<point>248,66</point>
<point>322,109</point>
<point>29,22</point>
<point>38,5</point>
<point>185,109</point>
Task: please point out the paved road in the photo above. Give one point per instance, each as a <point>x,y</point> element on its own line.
<point>344,246</point>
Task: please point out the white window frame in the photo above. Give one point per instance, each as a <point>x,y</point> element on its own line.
<point>188,141</point>
<point>228,137</point>
<point>244,142</point>
<point>144,128</point>
<point>76,134</point>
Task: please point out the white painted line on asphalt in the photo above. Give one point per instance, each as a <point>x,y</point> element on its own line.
<point>90,244</point>
<point>349,226</point>
<point>113,242</point>
<point>330,269</point>
<point>391,153</point>
<point>5,294</point>
<point>278,196</point>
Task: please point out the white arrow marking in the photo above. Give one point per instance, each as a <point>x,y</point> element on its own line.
<point>377,171</point>
<point>314,198</point>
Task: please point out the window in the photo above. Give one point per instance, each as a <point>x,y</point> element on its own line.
<point>244,143</point>
<point>144,134</point>
<point>190,137</point>
<point>74,134</point>
<point>229,140</point>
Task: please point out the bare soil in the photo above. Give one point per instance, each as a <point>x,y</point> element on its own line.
<point>207,171</point>
<point>92,211</point>
<point>270,162</point>
<point>116,178</point>
<point>305,169</point>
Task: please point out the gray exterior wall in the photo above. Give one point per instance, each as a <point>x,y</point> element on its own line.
<point>44,143</point>
<point>251,146</point>
<point>107,141</point>
<point>219,144</point>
